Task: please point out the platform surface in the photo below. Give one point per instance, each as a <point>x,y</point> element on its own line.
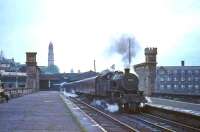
<point>38,112</point>
<point>176,105</point>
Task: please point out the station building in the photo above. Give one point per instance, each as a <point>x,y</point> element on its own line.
<point>13,79</point>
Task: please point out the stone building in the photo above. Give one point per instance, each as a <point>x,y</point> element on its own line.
<point>50,55</point>
<point>32,71</point>
<point>179,80</point>
<point>51,68</point>
<point>9,65</point>
<point>147,72</point>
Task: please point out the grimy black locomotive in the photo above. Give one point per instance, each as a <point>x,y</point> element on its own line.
<point>121,88</point>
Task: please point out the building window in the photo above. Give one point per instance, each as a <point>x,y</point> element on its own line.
<point>175,71</point>
<point>169,72</point>
<point>196,79</point>
<point>189,72</point>
<point>183,71</point>
<point>189,79</point>
<point>161,87</point>
<point>168,86</point>
<point>175,86</point>
<point>175,79</point>
<point>197,71</point>
<point>162,72</point>
<point>162,79</point>
<point>196,87</point>
<point>190,86</point>
<point>182,86</point>
<point>168,79</point>
<point>182,79</point>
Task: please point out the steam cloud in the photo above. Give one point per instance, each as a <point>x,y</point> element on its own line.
<point>148,99</point>
<point>71,94</point>
<point>121,46</point>
<point>106,106</point>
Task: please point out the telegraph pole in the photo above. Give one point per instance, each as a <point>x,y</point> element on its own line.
<point>129,51</point>
<point>94,65</point>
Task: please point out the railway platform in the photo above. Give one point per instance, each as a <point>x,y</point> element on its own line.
<point>42,111</point>
<point>179,106</point>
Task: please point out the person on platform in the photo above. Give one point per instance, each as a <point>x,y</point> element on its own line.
<point>2,93</point>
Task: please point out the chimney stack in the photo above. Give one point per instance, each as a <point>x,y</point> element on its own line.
<point>127,70</point>
<point>182,63</point>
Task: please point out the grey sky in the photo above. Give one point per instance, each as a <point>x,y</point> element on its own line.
<point>82,30</point>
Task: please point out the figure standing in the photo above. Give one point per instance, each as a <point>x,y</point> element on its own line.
<point>2,93</point>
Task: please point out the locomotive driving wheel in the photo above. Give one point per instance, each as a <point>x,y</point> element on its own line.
<point>131,107</point>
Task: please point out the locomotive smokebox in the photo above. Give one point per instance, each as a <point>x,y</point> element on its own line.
<point>127,70</point>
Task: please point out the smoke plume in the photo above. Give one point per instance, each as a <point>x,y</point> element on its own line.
<point>127,47</point>
<point>102,104</point>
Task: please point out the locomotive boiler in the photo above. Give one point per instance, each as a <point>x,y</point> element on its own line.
<point>121,88</point>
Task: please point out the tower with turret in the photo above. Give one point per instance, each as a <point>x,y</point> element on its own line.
<point>150,55</point>
<point>147,71</point>
<point>150,59</point>
<point>50,55</point>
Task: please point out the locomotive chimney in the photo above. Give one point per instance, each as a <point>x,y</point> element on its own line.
<point>127,70</point>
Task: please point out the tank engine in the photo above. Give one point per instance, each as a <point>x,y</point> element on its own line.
<point>118,87</point>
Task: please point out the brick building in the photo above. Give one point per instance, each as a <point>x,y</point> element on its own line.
<point>178,80</point>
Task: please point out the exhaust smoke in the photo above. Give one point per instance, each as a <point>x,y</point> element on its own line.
<point>102,104</point>
<point>127,47</point>
<point>70,94</point>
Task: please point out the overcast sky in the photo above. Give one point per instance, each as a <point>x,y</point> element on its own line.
<point>82,30</point>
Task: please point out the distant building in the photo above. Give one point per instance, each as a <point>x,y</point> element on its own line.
<point>51,69</point>
<point>178,80</point>
<point>50,55</point>
<point>12,74</point>
<point>9,65</point>
<point>13,79</point>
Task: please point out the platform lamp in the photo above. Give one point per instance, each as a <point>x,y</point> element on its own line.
<point>16,77</point>
<point>16,83</point>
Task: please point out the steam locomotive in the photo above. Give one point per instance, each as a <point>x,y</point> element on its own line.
<point>118,87</point>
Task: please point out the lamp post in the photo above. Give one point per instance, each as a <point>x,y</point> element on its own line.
<point>0,79</point>
<point>49,84</point>
<point>16,83</point>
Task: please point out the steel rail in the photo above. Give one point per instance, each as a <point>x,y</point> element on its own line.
<point>153,124</point>
<point>110,117</point>
<point>174,122</point>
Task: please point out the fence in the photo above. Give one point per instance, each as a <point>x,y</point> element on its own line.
<point>17,92</point>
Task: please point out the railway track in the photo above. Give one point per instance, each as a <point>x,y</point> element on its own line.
<point>140,123</point>
<point>108,122</point>
<point>119,122</point>
<point>167,124</point>
<point>156,123</point>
